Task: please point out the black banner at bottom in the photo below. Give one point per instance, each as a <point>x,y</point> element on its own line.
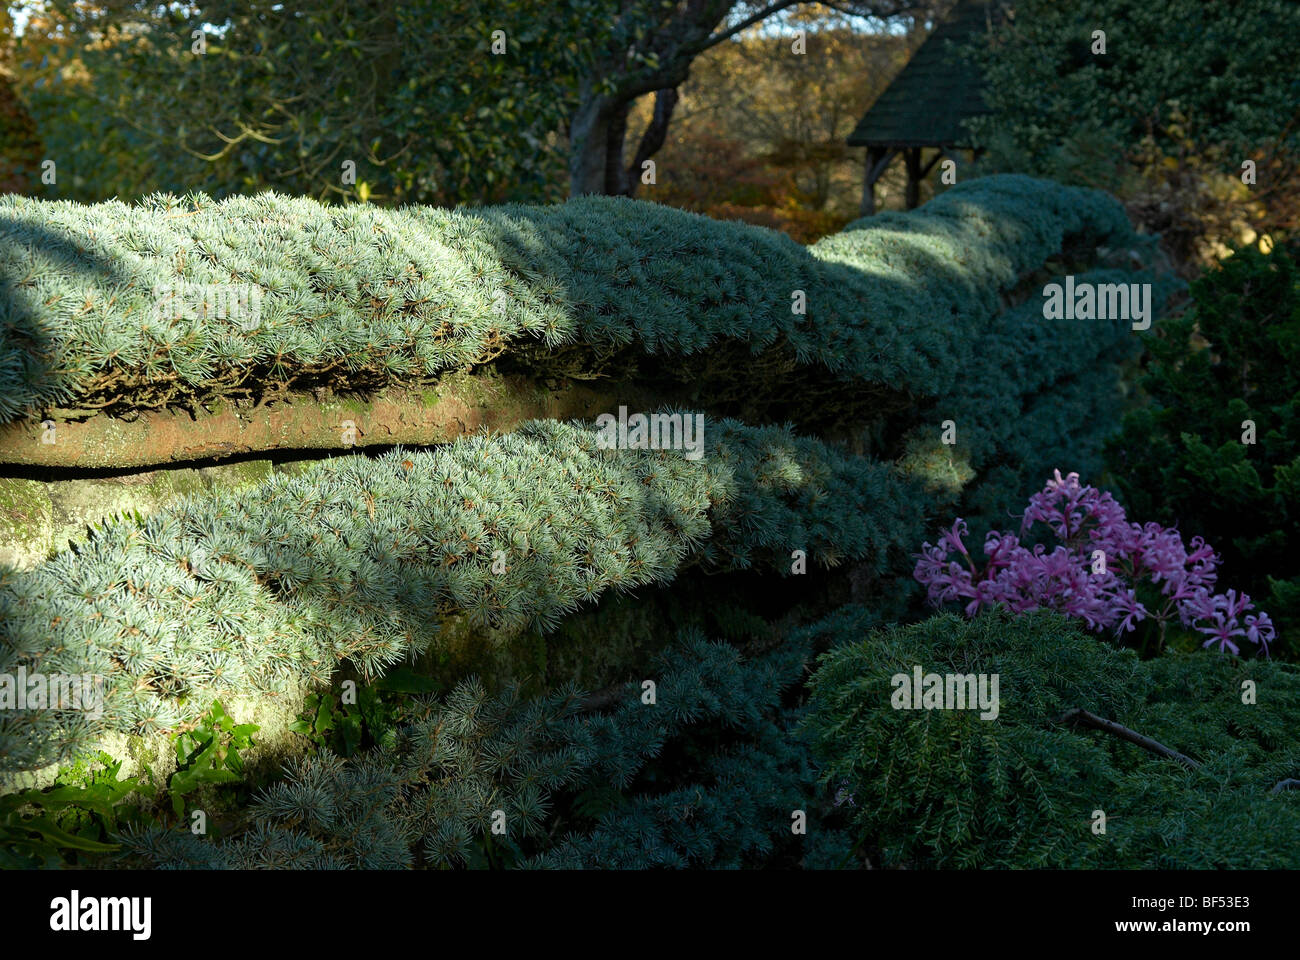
<point>365,910</point>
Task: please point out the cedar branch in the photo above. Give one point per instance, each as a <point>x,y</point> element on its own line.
<point>1084,718</point>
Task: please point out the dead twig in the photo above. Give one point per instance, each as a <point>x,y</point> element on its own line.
<point>1086,719</point>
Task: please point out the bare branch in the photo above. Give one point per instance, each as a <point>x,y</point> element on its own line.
<point>1086,719</point>
<point>748,22</point>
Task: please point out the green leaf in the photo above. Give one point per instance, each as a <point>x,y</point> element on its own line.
<point>65,840</point>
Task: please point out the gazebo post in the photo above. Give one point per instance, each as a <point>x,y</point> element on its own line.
<point>870,174</point>
<point>912,157</point>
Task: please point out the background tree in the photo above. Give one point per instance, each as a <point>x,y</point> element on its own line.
<point>759,134</point>
<point>1185,92</point>
<point>650,49</point>
<point>409,92</point>
<point>20,146</point>
<point>433,102</point>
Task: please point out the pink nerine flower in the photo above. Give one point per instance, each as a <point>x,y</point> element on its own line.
<point>1090,574</point>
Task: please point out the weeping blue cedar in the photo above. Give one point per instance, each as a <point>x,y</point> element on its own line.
<point>346,564</point>
<point>361,560</point>
<point>428,797</point>
<point>374,296</point>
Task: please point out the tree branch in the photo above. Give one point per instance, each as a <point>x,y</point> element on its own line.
<point>748,22</point>
<point>1086,719</point>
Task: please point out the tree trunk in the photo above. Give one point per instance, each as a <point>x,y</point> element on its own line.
<point>588,141</point>
<point>616,182</point>
<point>912,159</point>
<point>597,132</point>
<point>654,137</point>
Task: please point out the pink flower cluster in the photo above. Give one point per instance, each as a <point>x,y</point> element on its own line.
<point>1091,573</point>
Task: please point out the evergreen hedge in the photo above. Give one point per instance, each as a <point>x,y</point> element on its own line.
<point>346,563</point>
<point>944,788</point>
<point>358,297</point>
<point>576,790</point>
<point>359,560</point>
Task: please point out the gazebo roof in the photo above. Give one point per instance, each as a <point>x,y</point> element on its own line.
<point>934,92</point>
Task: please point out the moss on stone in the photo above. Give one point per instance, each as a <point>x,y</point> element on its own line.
<point>237,476</point>
<point>71,507</point>
<point>496,657</point>
<point>592,648</point>
<point>26,522</point>
<point>168,485</point>
<point>351,404</point>
<point>294,468</point>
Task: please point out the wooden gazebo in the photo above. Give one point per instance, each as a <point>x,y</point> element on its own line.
<point>924,107</point>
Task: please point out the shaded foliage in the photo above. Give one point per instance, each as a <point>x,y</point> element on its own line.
<point>706,776</point>
<point>1233,357</point>
<point>945,788</point>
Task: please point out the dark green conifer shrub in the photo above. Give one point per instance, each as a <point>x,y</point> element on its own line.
<point>1224,372</point>
<point>945,788</point>
<point>706,776</point>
